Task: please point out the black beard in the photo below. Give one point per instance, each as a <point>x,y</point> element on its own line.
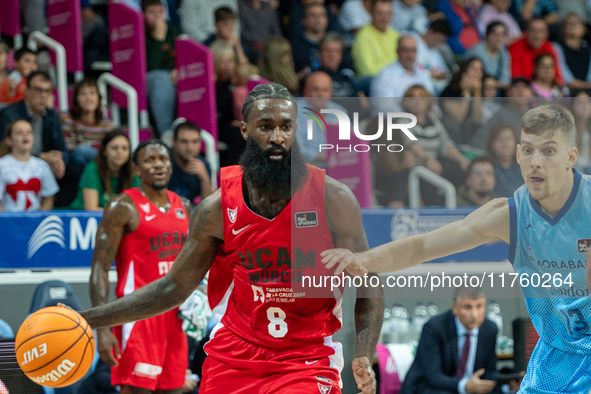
<point>276,179</point>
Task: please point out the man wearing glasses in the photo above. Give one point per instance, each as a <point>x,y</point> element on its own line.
<point>49,142</point>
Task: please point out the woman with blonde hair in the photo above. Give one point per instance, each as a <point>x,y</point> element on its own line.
<point>276,63</point>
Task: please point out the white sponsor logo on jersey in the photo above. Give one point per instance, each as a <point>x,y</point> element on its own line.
<point>232,213</point>
<point>145,207</point>
<point>259,293</point>
<point>324,389</point>
<point>148,218</point>
<point>236,232</point>
<point>147,370</point>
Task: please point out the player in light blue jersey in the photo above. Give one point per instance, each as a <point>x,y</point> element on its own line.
<point>547,224</point>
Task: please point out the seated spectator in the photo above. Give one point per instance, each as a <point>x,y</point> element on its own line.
<point>305,47</point>
<point>48,143</point>
<point>110,174</point>
<point>297,14</point>
<point>317,93</point>
<point>410,17</point>
<point>12,89</point>
<point>581,110</point>
<point>190,172</point>
<point>84,127</point>
<point>276,64</point>
<point>197,17</point>
<point>95,38</point>
<point>501,146</point>
<point>353,16</point>
<point>26,182</point>
<point>4,49</point>
<point>434,148</point>
<point>428,54</point>
<point>462,101</point>
<point>443,363</point>
<point>544,83</point>
<point>574,53</point>
<point>480,184</point>
<point>460,15</point>
<point>390,171</point>
<point>161,62</point>
<point>517,103</point>
<point>375,44</point>
<point>524,51</point>
<point>582,8</point>
<point>490,105</point>
<point>498,11</point>
<point>258,23</point>
<point>494,55</point>
<point>243,73</point>
<point>224,65</point>
<point>395,79</point>
<point>225,22</point>
<point>331,56</point>
<point>525,11</point>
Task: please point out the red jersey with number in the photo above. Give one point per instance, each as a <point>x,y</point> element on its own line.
<point>255,285</point>
<point>147,253</point>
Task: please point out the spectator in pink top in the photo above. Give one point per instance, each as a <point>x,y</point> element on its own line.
<point>498,10</point>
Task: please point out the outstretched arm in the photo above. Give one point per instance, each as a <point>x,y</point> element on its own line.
<point>344,217</point>
<point>191,265</point>
<point>488,224</point>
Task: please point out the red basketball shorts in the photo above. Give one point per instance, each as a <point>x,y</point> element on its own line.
<point>239,367</point>
<point>154,353</point>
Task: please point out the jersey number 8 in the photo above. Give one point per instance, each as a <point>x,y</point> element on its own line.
<point>277,325</point>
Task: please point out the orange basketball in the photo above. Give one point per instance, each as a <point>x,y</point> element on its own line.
<point>55,347</point>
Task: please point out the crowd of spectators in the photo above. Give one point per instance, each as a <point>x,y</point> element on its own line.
<point>472,67</point>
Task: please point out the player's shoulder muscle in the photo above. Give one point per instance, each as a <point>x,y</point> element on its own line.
<point>207,218</point>
<point>491,221</point>
<point>119,211</point>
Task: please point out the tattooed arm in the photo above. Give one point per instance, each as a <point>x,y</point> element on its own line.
<point>191,265</point>
<point>120,215</point>
<point>344,218</point>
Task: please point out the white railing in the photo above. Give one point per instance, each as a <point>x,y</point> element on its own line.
<point>60,58</point>
<point>212,156</point>
<point>414,188</point>
<point>132,111</point>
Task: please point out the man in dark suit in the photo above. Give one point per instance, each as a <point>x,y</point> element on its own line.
<point>49,144</point>
<point>456,352</point>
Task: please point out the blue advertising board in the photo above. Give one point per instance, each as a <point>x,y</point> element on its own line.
<point>66,239</point>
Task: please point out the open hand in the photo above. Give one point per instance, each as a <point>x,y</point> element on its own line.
<point>346,260</point>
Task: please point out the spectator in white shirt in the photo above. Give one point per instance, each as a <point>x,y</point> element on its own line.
<point>410,16</point>
<point>354,14</point>
<point>429,56</point>
<point>197,17</point>
<point>26,182</point>
<point>395,79</point>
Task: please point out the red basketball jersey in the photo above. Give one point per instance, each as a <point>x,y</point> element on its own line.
<point>252,284</point>
<point>147,253</point>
